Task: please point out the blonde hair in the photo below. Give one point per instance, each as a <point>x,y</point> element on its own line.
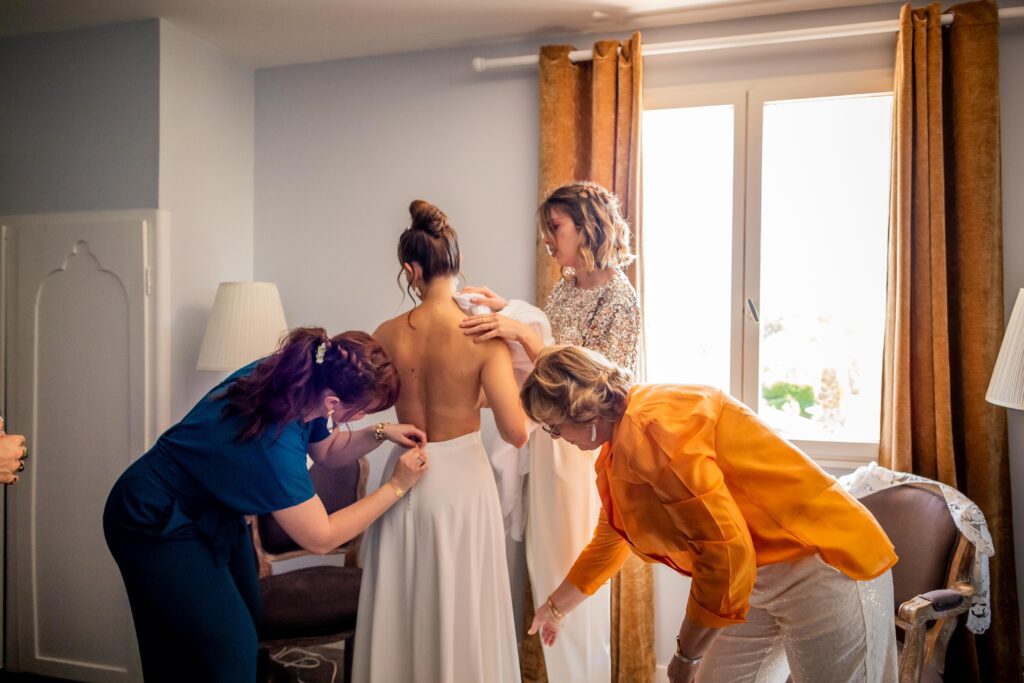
<point>597,214</point>
<point>575,384</point>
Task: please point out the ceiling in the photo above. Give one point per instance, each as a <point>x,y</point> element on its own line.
<point>266,33</point>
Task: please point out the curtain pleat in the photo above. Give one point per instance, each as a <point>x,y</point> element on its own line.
<point>590,116</point>
<point>945,293</point>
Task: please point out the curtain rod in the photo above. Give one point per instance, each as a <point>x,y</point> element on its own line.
<point>481,64</point>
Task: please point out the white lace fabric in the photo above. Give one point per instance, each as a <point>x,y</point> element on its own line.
<point>966,515</point>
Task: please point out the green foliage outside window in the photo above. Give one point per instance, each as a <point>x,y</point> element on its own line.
<point>781,393</point>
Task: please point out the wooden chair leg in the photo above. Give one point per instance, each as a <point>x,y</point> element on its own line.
<point>263,665</point>
<point>349,654</point>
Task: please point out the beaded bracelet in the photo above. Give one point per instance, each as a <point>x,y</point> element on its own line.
<point>554,610</point>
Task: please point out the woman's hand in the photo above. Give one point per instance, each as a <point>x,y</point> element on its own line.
<point>545,622</point>
<point>13,452</point>
<point>493,301</point>
<point>691,644</point>
<point>680,672</point>
<point>492,326</point>
<point>411,466</point>
<point>409,436</point>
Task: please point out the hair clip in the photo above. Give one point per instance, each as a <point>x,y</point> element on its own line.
<point>583,194</point>
<point>321,351</point>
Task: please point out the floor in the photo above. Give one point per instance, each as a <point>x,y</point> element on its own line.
<point>322,664</point>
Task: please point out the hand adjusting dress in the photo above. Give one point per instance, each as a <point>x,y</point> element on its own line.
<point>174,523</point>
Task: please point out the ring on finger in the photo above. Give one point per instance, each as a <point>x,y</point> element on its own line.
<point>25,454</point>
<point>421,461</point>
<point>21,466</point>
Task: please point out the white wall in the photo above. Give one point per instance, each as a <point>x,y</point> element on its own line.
<point>1011,62</point>
<point>341,148</point>
<point>206,183</point>
<point>78,124</point>
<point>139,115</point>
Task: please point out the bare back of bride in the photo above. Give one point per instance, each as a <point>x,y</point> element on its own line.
<point>435,603</point>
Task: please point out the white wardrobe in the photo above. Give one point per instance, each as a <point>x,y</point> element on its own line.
<point>84,378</point>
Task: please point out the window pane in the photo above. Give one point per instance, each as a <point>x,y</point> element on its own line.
<point>688,200</point>
<point>824,223</point>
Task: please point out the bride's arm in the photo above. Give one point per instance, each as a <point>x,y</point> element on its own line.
<point>502,393</point>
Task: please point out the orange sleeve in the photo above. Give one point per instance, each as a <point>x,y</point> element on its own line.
<point>601,559</point>
<point>687,480</point>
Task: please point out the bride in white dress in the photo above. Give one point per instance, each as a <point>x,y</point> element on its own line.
<point>435,603</point>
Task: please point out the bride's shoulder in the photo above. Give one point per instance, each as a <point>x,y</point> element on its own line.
<point>386,329</point>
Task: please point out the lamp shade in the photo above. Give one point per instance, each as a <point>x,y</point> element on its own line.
<point>246,323</point>
<point>1007,386</point>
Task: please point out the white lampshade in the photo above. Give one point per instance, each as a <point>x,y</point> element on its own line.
<point>1007,386</point>
<point>246,323</point>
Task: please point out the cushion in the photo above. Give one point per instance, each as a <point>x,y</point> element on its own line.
<point>317,601</point>
<point>921,529</point>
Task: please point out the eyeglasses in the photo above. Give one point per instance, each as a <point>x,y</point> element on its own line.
<point>554,430</point>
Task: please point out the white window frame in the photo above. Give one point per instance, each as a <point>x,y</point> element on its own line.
<point>748,99</point>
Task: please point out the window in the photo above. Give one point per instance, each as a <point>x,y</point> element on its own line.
<point>765,234</point>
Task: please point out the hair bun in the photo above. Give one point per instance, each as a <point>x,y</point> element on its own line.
<point>427,217</point>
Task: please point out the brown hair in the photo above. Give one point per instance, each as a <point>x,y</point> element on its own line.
<point>575,384</point>
<point>597,214</point>
<point>283,387</point>
<point>429,241</point>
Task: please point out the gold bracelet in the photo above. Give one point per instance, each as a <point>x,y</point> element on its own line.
<point>378,432</point>
<point>398,492</point>
<point>683,659</point>
<point>554,610</point>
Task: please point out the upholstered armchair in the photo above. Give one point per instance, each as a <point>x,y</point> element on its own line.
<point>931,582</point>
<point>315,605</point>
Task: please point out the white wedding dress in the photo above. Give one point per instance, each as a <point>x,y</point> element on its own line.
<point>435,604</point>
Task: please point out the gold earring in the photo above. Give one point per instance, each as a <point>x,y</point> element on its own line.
<point>330,421</point>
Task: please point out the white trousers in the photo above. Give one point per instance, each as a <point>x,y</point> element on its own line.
<point>827,627</point>
<point>563,509</point>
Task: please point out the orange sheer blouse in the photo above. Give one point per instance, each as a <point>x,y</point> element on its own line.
<point>695,480</point>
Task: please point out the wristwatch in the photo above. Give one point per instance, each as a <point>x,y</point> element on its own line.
<point>683,659</point>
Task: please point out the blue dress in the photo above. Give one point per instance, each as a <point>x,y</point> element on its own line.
<point>174,523</point>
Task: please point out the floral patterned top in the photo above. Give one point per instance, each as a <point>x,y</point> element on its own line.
<point>605,319</point>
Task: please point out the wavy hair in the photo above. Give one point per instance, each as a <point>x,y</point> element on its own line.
<point>290,382</point>
<point>575,384</point>
<point>597,214</point>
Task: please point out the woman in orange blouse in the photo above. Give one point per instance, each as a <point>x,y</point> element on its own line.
<point>785,565</point>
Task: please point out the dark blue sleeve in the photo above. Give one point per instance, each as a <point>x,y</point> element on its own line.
<point>286,458</point>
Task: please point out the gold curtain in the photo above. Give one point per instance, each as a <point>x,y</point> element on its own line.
<point>590,130</point>
<point>945,293</point>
